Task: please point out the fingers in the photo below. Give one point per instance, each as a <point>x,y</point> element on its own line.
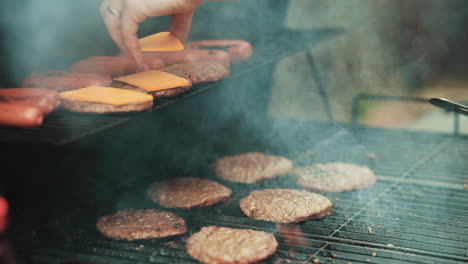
<point>123,27</point>
<point>112,21</point>
<point>180,25</point>
<point>123,23</point>
<point>129,30</point>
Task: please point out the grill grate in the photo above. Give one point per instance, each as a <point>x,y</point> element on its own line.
<point>63,127</point>
<point>409,216</point>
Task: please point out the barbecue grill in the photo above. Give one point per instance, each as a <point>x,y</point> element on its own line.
<point>82,166</point>
<point>415,213</point>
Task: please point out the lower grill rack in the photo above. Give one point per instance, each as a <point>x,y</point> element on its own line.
<point>417,212</point>
<point>365,227</point>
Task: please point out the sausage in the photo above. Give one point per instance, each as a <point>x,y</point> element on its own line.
<point>43,103</point>
<point>46,100</point>
<point>188,56</point>
<point>155,64</point>
<point>3,214</point>
<point>237,49</point>
<point>65,81</point>
<point>40,102</point>
<point>54,73</point>
<point>27,92</point>
<point>19,115</point>
<point>114,66</point>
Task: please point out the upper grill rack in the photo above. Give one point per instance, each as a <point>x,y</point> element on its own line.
<point>63,127</point>
<point>398,220</point>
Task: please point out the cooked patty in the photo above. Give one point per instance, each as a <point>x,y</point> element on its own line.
<point>91,107</point>
<point>214,244</point>
<point>198,72</point>
<point>251,167</point>
<point>141,224</point>
<point>188,192</point>
<point>156,94</point>
<point>334,177</point>
<point>285,205</point>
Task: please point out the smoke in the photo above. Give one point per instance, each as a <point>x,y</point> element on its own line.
<point>112,170</point>
<point>51,34</point>
<point>389,47</point>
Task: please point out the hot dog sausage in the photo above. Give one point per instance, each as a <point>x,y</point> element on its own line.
<point>46,100</point>
<point>27,92</point>
<point>3,214</point>
<point>53,73</point>
<point>237,49</point>
<point>43,103</point>
<point>188,56</point>
<point>64,81</point>
<point>20,115</point>
<point>80,75</point>
<point>114,66</point>
<point>155,64</point>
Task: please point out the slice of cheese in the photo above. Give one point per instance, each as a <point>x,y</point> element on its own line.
<point>163,41</point>
<point>154,80</point>
<point>107,95</point>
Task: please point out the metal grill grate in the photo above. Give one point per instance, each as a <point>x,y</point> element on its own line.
<point>63,127</point>
<point>417,212</point>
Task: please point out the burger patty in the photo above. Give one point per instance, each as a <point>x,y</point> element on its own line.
<point>285,205</point>
<point>214,244</point>
<point>334,177</point>
<point>91,107</point>
<point>198,72</point>
<point>251,167</point>
<point>156,94</point>
<point>188,192</point>
<point>141,224</point>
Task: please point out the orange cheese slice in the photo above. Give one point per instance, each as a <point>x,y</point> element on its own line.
<point>154,80</point>
<point>106,95</point>
<point>163,41</point>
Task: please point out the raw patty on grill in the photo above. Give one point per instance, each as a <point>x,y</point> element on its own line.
<point>251,167</point>
<point>213,244</point>
<point>141,224</point>
<point>188,192</point>
<point>155,94</point>
<point>198,72</point>
<point>100,108</point>
<point>285,205</point>
<point>334,177</point>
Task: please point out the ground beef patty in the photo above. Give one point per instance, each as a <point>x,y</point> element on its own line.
<point>285,205</point>
<point>156,94</point>
<point>141,224</point>
<point>227,245</point>
<point>334,177</point>
<point>198,72</point>
<point>251,167</point>
<point>188,192</point>
<point>100,108</point>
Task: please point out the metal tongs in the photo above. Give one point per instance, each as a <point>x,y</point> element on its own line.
<point>449,105</point>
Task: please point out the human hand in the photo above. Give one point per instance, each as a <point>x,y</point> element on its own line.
<point>122,19</point>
